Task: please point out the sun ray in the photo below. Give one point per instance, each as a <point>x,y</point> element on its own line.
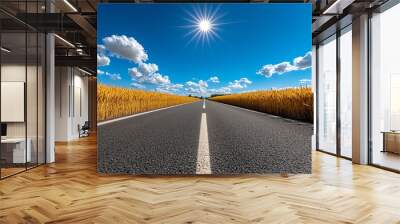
<point>203,24</point>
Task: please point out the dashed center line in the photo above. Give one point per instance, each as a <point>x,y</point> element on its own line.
<point>203,165</point>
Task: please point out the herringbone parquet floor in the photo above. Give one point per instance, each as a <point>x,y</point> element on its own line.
<point>70,191</point>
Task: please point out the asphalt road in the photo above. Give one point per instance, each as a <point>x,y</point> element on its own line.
<point>174,141</point>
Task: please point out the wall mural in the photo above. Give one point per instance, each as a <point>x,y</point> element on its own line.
<point>187,89</point>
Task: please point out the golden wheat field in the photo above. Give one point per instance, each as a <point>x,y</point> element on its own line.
<point>294,103</point>
<point>113,102</point>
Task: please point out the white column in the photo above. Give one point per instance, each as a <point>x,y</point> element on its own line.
<point>50,100</point>
<point>360,90</point>
<point>314,89</point>
<point>50,92</point>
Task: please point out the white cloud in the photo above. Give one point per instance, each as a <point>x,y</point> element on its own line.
<point>239,84</point>
<point>156,79</point>
<point>299,63</point>
<point>115,76</point>
<point>100,72</point>
<point>192,90</point>
<point>137,85</point>
<point>147,69</point>
<point>303,62</point>
<point>196,91</point>
<point>269,70</point>
<point>143,70</point>
<point>162,90</point>
<point>305,82</point>
<point>102,60</point>
<point>125,47</point>
<point>200,88</point>
<point>200,83</point>
<point>222,90</point>
<point>245,80</point>
<point>283,67</point>
<point>197,88</point>
<point>214,79</point>
<point>101,48</point>
<point>174,87</point>
<point>284,87</point>
<point>235,85</point>
<point>148,73</point>
<point>134,73</point>
<point>112,76</point>
<point>169,88</point>
<point>145,73</point>
<point>203,84</point>
<point>191,83</point>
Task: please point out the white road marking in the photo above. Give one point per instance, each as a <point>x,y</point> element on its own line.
<point>204,104</point>
<point>203,165</point>
<point>139,114</point>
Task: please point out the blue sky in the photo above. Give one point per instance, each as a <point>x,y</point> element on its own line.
<point>250,46</point>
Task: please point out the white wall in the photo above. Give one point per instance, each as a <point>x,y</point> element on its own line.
<point>385,74</point>
<point>61,103</point>
<point>80,110</point>
<point>71,87</point>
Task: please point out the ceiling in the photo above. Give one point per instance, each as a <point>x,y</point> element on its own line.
<point>75,21</point>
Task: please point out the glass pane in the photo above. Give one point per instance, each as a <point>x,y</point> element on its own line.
<point>31,98</point>
<point>327,95</point>
<point>346,92</point>
<point>13,86</point>
<point>385,114</point>
<point>41,98</point>
<point>23,90</point>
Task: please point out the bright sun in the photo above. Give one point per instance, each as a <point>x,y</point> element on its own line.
<point>205,25</point>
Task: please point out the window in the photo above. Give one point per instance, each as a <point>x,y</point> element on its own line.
<point>346,92</point>
<point>327,95</point>
<point>385,89</point>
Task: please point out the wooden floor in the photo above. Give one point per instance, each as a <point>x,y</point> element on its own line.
<point>70,191</point>
<point>387,159</point>
<point>5,172</point>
